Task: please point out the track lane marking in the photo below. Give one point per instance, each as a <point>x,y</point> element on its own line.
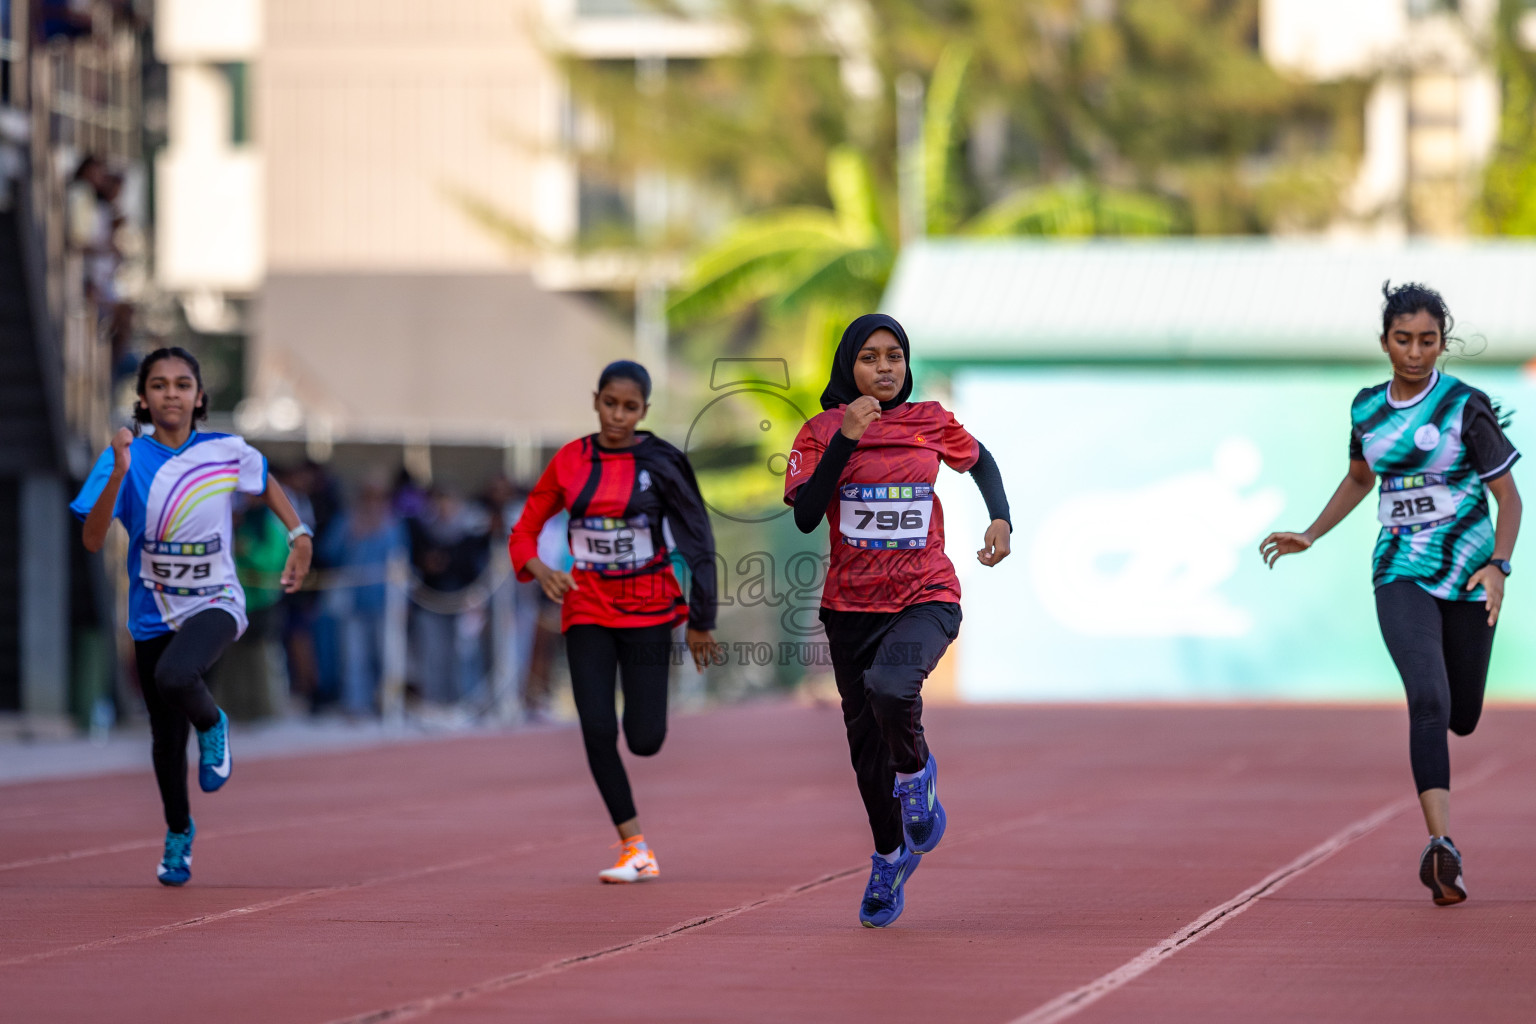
<point>130,845</point>
<point>427,1004</point>
<point>282,901</point>
<point>1070,1003</point>
<point>419,1007</point>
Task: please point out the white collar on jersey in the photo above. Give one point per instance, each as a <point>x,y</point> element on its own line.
<point>1416,399</point>
<point>174,451</point>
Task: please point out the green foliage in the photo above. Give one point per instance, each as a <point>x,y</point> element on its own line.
<point>1042,117</point>
<point>1508,205</point>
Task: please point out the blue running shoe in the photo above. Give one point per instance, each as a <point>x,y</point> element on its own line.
<point>884,898</point>
<point>176,866</point>
<point>922,816</point>
<point>213,755</point>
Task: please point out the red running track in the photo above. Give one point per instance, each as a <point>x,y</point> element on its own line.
<point>1102,864</point>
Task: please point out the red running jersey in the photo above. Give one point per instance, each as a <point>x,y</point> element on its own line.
<point>627,506</point>
<point>887,523</point>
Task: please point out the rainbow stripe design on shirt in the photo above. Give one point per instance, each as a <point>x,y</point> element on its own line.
<point>198,484</point>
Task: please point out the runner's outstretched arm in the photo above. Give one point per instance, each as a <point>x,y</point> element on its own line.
<point>1357,483</point>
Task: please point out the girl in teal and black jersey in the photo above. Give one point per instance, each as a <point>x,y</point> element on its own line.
<point>1442,556</point>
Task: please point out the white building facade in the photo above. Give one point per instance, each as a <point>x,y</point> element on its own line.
<point>1432,115</point>
<point>338,185</point>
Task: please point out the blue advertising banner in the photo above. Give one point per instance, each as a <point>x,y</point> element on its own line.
<point>1139,498</point>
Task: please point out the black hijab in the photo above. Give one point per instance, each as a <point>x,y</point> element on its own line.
<point>842,389</point>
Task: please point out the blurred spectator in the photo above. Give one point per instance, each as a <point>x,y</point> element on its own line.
<point>515,605</point>
<point>249,681</point>
<point>64,19</point>
<point>547,650</point>
<point>409,499</point>
<point>360,545</point>
<point>449,551</point>
<point>94,221</point>
<point>302,610</point>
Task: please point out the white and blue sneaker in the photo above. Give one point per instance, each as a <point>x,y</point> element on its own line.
<point>176,866</point>
<point>922,816</point>
<point>885,896</point>
<point>213,755</point>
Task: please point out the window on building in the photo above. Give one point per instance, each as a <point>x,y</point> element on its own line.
<point>238,77</point>
<point>1427,8</point>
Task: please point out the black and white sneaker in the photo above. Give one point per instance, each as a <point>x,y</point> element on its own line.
<point>1440,870</point>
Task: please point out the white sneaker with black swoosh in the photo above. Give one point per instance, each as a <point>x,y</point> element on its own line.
<point>636,864</point>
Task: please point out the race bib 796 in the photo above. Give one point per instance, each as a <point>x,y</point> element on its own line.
<point>885,516</point>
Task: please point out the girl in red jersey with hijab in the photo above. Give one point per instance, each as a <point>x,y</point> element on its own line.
<point>629,494</point>
<point>891,604</point>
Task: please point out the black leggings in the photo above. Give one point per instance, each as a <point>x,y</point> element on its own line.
<point>1441,649</point>
<point>880,660</point>
<point>171,671</point>
<point>639,657</point>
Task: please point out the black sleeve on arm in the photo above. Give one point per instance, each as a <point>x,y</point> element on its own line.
<point>990,482</point>
<point>691,531</point>
<point>1491,453</point>
<point>813,497</point>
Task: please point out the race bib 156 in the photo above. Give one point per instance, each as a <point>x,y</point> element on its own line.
<point>1410,504</point>
<point>611,544</point>
<point>891,517</point>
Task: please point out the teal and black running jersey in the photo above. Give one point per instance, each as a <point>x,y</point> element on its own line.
<point>1434,453</point>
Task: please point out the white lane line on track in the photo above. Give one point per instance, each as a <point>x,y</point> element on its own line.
<point>427,1004</point>
<point>281,901</point>
<point>419,1007</point>
<point>1070,1003</point>
<point>94,851</point>
<point>309,821</point>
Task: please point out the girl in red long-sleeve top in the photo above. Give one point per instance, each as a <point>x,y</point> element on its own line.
<point>631,496</point>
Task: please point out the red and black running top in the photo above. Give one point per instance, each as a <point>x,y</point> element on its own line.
<point>887,523</point>
<point>627,507</point>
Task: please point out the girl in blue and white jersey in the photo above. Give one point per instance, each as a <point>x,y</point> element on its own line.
<point>173,492</point>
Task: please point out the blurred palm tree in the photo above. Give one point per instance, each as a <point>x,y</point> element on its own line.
<point>815,268</point>
<point>805,271</point>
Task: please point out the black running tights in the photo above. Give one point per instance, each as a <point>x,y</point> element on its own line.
<point>880,660</point>
<point>1441,649</point>
<point>639,657</point>
<point>171,671</point>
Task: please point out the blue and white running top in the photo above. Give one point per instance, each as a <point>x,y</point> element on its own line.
<point>176,506</point>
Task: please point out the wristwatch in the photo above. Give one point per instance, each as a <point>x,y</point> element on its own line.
<point>1501,564</point>
<point>302,530</point>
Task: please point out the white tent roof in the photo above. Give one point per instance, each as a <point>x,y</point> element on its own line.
<point>969,300</point>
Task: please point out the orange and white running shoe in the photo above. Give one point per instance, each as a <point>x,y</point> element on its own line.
<point>636,864</point>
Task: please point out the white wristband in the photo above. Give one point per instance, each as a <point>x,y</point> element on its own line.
<point>302,530</point>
